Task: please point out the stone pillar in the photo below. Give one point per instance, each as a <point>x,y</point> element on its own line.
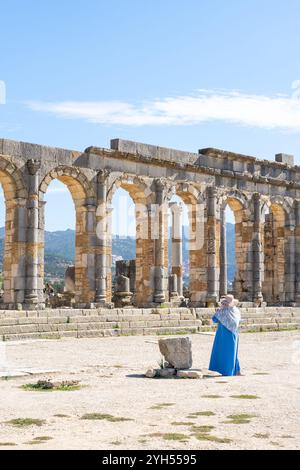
<point>257,251</point>
<point>173,287</point>
<point>297,253</point>
<point>31,291</point>
<point>159,245</point>
<point>223,254</point>
<point>177,245</point>
<point>290,265</point>
<point>101,233</point>
<point>14,252</point>
<point>213,244</point>
<point>145,254</point>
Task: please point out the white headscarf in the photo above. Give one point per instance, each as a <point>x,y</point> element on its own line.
<point>228,314</point>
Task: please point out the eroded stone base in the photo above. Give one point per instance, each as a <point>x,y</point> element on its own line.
<point>80,323</point>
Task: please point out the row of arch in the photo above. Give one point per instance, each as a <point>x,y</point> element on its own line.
<point>277,239</point>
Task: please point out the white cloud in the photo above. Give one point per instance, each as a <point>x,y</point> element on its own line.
<point>268,112</point>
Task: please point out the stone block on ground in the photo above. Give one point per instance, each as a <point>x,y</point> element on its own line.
<point>190,374</point>
<point>165,373</point>
<point>177,352</point>
<point>151,373</point>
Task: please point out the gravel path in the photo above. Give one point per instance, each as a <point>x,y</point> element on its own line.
<point>160,413</point>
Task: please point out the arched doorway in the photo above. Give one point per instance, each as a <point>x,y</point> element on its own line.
<point>131,205</point>
<point>123,231</point>
<point>84,206</point>
<point>13,235</point>
<point>178,248</point>
<point>59,245</point>
<point>235,249</point>
<point>275,269</point>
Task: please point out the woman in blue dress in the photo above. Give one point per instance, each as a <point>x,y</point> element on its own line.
<point>224,356</point>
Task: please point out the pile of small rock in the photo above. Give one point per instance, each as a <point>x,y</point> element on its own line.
<point>177,360</point>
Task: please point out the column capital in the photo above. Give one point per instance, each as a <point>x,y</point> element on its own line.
<point>211,191</point>
<point>103,175</point>
<point>176,207</point>
<point>33,166</point>
<point>256,197</point>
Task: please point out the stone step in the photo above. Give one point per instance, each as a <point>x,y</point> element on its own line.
<point>270,327</point>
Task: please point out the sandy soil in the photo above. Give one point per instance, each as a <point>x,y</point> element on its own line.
<point>111,371</point>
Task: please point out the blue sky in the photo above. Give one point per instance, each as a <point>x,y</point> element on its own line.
<point>186,75</point>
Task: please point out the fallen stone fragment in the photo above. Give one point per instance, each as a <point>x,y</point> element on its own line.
<point>177,352</point>
<point>165,373</point>
<point>190,374</point>
<point>151,373</point>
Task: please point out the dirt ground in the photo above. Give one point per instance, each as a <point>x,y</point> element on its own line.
<point>157,413</point>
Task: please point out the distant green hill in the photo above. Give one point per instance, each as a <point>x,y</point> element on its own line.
<point>60,250</point>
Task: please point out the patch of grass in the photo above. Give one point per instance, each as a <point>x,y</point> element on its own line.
<point>277,444</point>
<point>242,418</point>
<point>104,417</point>
<point>203,428</point>
<point>24,422</point>
<point>209,437</point>
<point>61,415</point>
<point>116,443</point>
<point>222,382</point>
<point>161,406</point>
<point>287,436</point>
<point>47,386</point>
<point>182,423</point>
<point>7,444</point>
<point>39,440</point>
<point>201,413</point>
<point>261,436</point>
<point>261,373</point>
<point>212,396</point>
<point>244,397</point>
<point>174,436</point>
<point>142,441</point>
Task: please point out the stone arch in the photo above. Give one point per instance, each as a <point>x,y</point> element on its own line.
<point>191,197</point>
<point>140,193</point>
<point>83,195</point>
<point>279,250</point>
<point>238,202</point>
<point>136,187</point>
<point>15,196</point>
<point>76,181</point>
<point>240,205</point>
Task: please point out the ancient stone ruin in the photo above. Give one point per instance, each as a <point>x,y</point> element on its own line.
<point>264,196</point>
<point>176,360</point>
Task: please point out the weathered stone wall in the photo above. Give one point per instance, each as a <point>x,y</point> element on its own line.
<point>267,245</point>
<point>82,323</point>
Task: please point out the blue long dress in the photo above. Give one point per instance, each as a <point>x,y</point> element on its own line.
<point>224,356</point>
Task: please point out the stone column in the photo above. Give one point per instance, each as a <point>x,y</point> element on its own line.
<point>297,252</point>
<point>290,268</point>
<point>257,251</point>
<point>31,291</point>
<point>14,252</point>
<point>213,269</point>
<point>223,254</point>
<point>177,245</point>
<point>101,232</point>
<point>159,245</point>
